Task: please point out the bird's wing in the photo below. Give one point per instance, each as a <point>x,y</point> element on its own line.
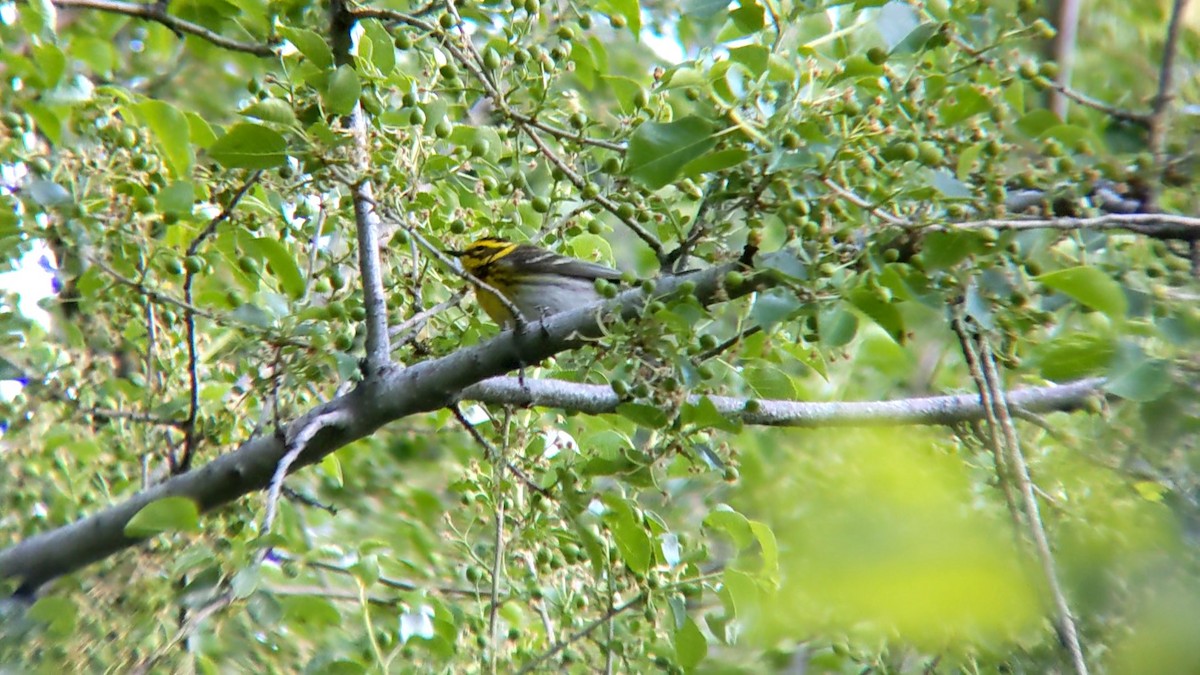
<point>548,262</point>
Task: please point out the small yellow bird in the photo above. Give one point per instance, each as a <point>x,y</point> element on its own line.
<point>535,281</point>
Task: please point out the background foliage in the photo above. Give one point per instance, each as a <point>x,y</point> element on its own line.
<point>186,170</point>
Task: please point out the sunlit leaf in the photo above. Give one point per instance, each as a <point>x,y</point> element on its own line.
<point>250,146</point>
<point>1090,287</point>
<point>690,645</point>
<point>169,514</point>
<point>172,132</point>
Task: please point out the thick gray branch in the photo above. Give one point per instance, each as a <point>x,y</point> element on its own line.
<point>597,399</point>
<point>396,394</point>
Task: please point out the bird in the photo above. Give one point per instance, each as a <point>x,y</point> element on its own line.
<point>536,282</point>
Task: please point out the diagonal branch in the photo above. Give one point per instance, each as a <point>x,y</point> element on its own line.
<point>1011,465</point>
<point>157,12</point>
<point>423,387</point>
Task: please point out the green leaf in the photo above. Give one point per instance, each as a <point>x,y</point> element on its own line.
<point>895,22</point>
<point>704,415</point>
<point>643,415</point>
<point>733,524</point>
<point>658,151</point>
<point>1038,122</point>
<point>690,645</point>
<point>966,161</point>
<point>770,382</point>
<point>177,198</point>
<point>99,55</point>
<point>838,326</point>
<point>883,313</point>
<point>945,182</point>
<point>754,57</point>
<point>773,306</point>
<point>749,16</point>
<point>51,64</point>
<point>343,91</point>
<point>630,535</point>
<point>768,546</point>
<point>201,131</point>
<point>383,48</point>
<point>245,581</point>
<point>169,514</point>
<point>1090,287</point>
<point>716,161</point>
<point>274,110</point>
<point>310,44</point>
<point>632,11</point>
<point>1138,377</point>
<point>59,613</point>
<point>703,10</point>
<point>49,193</point>
<point>172,132</point>
<point>283,264</point>
<point>962,103</point>
<point>943,250</point>
<point>250,146</point>
<point>311,610</point>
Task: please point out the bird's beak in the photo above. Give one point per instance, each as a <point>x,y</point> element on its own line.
<point>456,254</point>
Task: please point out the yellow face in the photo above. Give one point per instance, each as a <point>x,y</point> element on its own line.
<point>478,260</point>
<point>482,252</point>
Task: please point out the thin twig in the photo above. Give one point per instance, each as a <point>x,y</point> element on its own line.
<point>499,460</point>
<point>1161,109</point>
<point>853,198</point>
<point>295,445</point>
<point>1068,632</point>
<point>490,453</point>
<point>582,633</point>
<point>157,12</point>
<point>189,431</point>
<point>992,442</point>
<point>193,622</point>
<point>401,332</point>
<point>1117,113</point>
<point>329,594</point>
<point>386,581</point>
<point>720,349</point>
<point>1158,225</point>
<point>609,205</point>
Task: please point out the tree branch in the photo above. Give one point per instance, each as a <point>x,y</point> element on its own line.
<point>366,220</point>
<point>1067,630</point>
<point>594,399</point>
<point>423,387</point>
<point>157,13</point>
<point>189,429</point>
<point>1161,109</point>
<point>1157,225</point>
